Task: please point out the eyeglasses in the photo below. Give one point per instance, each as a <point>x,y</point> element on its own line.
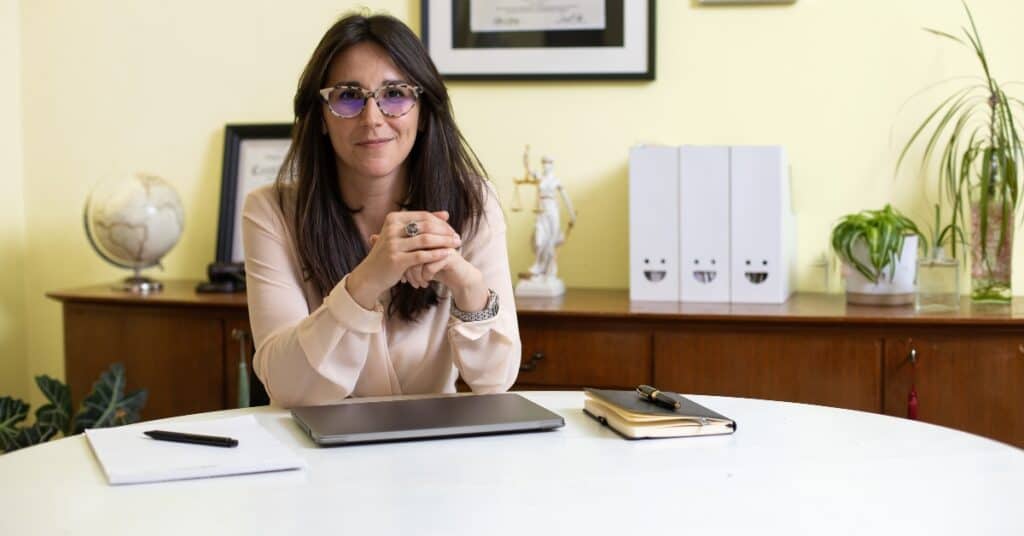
<point>394,100</point>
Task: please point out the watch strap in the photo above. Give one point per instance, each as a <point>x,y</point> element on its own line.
<point>489,311</point>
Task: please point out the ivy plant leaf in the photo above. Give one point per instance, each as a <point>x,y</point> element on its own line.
<point>57,413</point>
<point>12,412</point>
<point>33,435</point>
<point>107,405</point>
<point>132,405</point>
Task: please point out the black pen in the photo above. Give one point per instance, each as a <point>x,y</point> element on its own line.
<point>651,394</point>
<point>181,437</point>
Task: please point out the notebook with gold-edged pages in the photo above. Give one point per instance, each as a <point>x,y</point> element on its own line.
<point>635,418</point>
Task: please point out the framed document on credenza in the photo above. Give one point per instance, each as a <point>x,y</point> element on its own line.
<point>253,155</point>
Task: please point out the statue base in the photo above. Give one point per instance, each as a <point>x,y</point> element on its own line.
<point>540,287</point>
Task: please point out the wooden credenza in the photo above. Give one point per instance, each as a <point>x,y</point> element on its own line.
<point>967,368</point>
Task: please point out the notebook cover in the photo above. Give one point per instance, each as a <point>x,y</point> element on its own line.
<point>629,401</point>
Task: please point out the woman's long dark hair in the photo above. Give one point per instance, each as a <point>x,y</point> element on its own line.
<point>443,172</point>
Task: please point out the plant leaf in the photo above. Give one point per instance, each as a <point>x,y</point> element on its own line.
<point>941,33</point>
<point>107,405</point>
<point>928,120</point>
<point>12,412</point>
<point>58,412</point>
<point>39,432</point>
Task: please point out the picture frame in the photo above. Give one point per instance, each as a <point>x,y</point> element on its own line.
<point>253,154</point>
<point>541,39</point>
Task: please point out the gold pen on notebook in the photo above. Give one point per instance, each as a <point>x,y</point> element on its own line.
<point>655,396</point>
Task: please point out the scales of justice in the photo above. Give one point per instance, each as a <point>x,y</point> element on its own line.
<point>542,277</point>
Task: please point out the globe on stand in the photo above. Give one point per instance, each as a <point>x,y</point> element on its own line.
<point>132,222</point>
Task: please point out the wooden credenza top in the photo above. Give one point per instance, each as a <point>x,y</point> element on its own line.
<point>176,293</point>
<point>810,308</point>
<point>802,307</point>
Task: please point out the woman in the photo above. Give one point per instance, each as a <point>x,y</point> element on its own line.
<point>376,264</point>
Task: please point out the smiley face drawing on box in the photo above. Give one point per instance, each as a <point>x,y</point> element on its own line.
<point>654,269</point>
<point>654,272</point>
<point>704,270</point>
<point>753,273</point>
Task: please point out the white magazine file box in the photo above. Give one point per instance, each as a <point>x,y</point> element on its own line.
<point>763,226</point>
<point>654,223</point>
<point>704,226</point>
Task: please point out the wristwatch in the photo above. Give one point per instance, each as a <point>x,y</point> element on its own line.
<point>489,311</point>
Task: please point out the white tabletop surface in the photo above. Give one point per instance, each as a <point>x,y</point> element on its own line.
<point>789,469</point>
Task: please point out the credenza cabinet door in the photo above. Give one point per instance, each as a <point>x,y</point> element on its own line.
<point>177,354</point>
<point>814,365</point>
<point>968,381</point>
<point>588,355</point>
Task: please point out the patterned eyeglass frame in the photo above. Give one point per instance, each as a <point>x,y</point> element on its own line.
<point>325,94</point>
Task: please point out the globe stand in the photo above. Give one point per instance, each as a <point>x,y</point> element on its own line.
<point>139,284</point>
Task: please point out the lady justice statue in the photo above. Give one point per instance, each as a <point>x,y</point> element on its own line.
<point>542,277</point>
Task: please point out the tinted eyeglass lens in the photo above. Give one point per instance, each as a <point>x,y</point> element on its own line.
<point>396,100</point>
<point>347,102</point>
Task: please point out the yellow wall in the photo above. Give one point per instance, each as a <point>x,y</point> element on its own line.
<point>149,85</point>
<point>12,208</point>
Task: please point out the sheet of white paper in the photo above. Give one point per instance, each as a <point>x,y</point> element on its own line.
<point>129,457</point>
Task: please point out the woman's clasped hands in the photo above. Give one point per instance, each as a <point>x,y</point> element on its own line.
<point>416,247</point>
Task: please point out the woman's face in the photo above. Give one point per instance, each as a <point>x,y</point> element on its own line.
<point>370,145</point>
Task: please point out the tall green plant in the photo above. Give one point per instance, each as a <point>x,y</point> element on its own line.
<point>974,134</point>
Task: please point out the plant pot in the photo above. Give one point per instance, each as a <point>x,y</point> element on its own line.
<point>991,258</point>
<point>938,283</point>
<point>895,287</point>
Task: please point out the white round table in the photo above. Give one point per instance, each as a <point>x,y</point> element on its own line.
<point>789,469</point>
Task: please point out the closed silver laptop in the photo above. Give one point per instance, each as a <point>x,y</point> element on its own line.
<point>364,421</point>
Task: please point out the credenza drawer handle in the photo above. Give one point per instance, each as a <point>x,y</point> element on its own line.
<point>532,363</point>
<point>913,356</point>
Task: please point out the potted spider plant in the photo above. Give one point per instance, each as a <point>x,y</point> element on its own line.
<point>878,249</point>
<point>972,136</point>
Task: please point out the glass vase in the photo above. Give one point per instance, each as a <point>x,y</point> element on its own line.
<point>991,254</point>
<point>938,283</point>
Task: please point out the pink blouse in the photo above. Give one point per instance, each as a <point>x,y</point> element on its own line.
<point>312,350</point>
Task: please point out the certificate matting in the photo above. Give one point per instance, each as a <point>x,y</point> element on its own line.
<point>624,49</point>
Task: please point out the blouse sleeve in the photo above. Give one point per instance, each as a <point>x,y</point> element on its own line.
<point>487,353</point>
<point>302,357</point>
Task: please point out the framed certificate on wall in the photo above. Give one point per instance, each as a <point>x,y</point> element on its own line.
<point>540,39</point>
<point>253,155</point>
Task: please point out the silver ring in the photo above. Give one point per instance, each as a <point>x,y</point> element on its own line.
<point>412,229</point>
